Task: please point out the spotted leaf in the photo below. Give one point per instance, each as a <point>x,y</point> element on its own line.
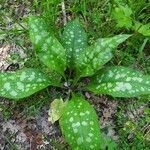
<point>94,57</point>
<point>75,40</point>
<point>120,82</point>
<point>80,126</point>
<point>23,83</point>
<point>48,48</point>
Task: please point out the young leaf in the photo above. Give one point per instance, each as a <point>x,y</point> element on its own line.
<point>122,14</point>
<point>75,40</point>
<point>80,126</point>
<point>120,82</point>
<point>141,28</point>
<point>48,48</point>
<point>56,110</point>
<point>23,83</point>
<point>94,57</point>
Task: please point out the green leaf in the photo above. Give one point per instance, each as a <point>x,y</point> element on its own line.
<point>122,14</point>
<point>143,29</point>
<point>94,57</point>
<point>23,83</point>
<point>75,40</point>
<point>120,82</point>
<point>80,126</point>
<point>48,48</point>
<point>56,110</point>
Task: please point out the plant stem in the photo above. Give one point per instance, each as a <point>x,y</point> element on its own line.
<point>13,32</point>
<point>64,77</point>
<point>76,80</point>
<point>64,12</point>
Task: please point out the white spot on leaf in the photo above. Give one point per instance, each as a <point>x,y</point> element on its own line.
<point>7,86</point>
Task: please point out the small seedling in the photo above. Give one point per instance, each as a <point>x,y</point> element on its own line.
<point>123,16</point>
<point>73,60</point>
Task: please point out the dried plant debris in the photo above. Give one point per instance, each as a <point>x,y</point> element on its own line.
<point>36,133</point>
<point>106,110</point>
<point>12,11</point>
<point>12,57</point>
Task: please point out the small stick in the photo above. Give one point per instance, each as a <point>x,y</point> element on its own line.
<point>64,12</point>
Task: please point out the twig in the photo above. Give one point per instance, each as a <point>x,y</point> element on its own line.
<point>64,12</point>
